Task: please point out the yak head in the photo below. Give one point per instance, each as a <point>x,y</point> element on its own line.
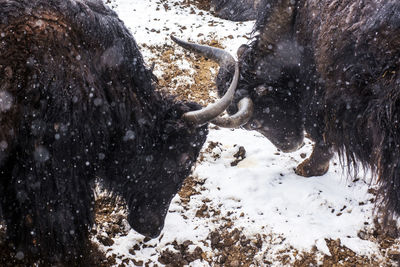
<point>166,160</point>
<point>171,156</point>
<point>269,80</point>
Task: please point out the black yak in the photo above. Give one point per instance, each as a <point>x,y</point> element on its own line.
<point>330,68</point>
<point>76,103</point>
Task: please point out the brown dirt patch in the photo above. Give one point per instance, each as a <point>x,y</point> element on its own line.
<point>341,256</point>
<point>182,255</point>
<point>201,4</point>
<point>230,248</point>
<point>110,216</point>
<point>239,156</point>
<point>189,188</point>
<point>233,247</point>
<point>195,84</point>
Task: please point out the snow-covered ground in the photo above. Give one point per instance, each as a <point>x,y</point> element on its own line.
<point>261,196</point>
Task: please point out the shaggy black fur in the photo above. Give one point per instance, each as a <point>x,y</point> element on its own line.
<point>342,62</point>
<point>76,103</point>
<point>356,52</point>
<point>236,10</point>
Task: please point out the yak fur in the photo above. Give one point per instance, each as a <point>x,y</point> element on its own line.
<point>236,10</point>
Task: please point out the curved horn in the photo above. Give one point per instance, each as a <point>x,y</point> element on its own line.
<point>218,55</point>
<point>241,117</point>
<point>210,112</point>
<point>224,59</point>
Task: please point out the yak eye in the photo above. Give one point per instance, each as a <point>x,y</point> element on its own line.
<point>255,124</point>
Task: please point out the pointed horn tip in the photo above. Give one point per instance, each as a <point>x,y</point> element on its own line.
<point>176,39</point>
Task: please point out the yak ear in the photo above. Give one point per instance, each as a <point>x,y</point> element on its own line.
<point>275,22</point>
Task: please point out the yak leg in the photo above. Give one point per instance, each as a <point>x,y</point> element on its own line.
<point>318,163</point>
<point>47,207</point>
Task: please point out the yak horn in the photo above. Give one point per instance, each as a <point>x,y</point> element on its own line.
<point>224,59</point>
<point>241,117</point>
<point>199,117</point>
<point>218,55</point>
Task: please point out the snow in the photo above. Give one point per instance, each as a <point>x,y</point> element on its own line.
<point>273,196</point>
<point>151,23</point>
<point>262,194</point>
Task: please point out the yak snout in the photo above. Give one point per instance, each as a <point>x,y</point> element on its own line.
<point>290,143</point>
<point>147,221</point>
<point>285,139</point>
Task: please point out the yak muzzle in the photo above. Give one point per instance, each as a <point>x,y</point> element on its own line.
<point>147,221</point>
